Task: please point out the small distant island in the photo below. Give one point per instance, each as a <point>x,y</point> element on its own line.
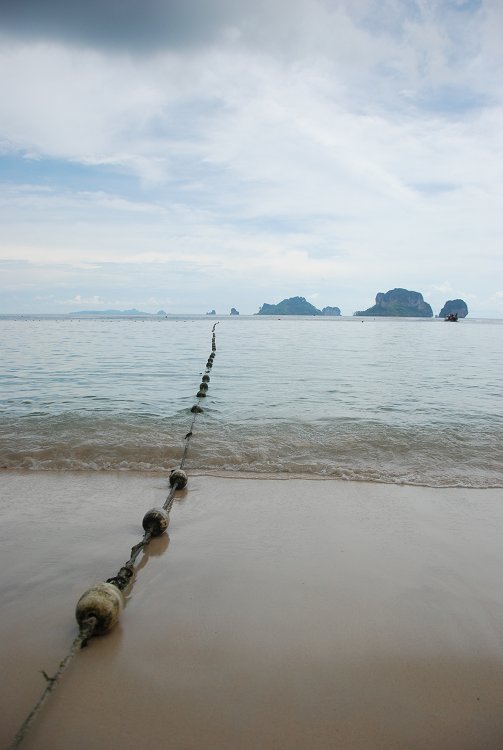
<point>398,303</point>
<point>131,312</point>
<point>393,303</point>
<point>454,307</point>
<point>296,306</point>
<point>333,311</point>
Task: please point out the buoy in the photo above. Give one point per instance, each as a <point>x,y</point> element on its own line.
<point>98,610</point>
<point>201,394</point>
<point>156,520</point>
<point>179,478</point>
<point>104,602</point>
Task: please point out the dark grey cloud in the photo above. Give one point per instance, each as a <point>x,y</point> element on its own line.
<point>293,28</point>
<point>129,25</point>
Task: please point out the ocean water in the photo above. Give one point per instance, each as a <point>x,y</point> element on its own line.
<point>385,400</point>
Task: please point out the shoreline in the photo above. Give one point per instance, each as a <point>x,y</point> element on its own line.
<point>225,474</point>
<point>275,614</point>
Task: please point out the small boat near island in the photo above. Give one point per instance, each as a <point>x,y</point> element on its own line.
<point>451,318</point>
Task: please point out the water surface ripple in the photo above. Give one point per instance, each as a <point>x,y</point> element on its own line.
<point>396,400</point>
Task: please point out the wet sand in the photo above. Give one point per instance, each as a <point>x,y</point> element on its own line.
<point>278,614</point>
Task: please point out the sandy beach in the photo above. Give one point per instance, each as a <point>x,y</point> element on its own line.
<point>277,614</point>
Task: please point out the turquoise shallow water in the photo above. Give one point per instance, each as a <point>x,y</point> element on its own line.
<point>390,400</point>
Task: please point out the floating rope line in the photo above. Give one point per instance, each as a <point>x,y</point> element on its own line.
<point>86,631</point>
<point>99,608</point>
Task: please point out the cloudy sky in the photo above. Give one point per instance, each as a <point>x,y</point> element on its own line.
<point>199,154</point>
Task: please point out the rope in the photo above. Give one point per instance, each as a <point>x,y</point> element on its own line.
<point>121,581</point>
<point>124,575</point>
<point>86,631</point>
<point>188,437</point>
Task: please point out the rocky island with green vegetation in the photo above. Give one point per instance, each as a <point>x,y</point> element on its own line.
<point>296,306</point>
<point>398,303</point>
<point>454,307</point>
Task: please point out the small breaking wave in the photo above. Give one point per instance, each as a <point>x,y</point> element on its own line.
<point>435,456</point>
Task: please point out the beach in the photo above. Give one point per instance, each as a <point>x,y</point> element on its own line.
<point>278,613</point>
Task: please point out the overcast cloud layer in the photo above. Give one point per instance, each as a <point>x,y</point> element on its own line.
<point>199,155</point>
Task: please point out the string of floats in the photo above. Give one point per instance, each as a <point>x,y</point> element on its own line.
<point>99,608</point>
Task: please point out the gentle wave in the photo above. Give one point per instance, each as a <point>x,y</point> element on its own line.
<point>436,455</point>
<point>389,401</point>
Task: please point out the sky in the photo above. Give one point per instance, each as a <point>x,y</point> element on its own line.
<point>209,154</point>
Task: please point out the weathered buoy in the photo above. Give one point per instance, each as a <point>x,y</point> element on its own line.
<point>156,520</point>
<point>179,478</point>
<point>201,394</point>
<point>203,386</point>
<point>206,378</point>
<point>196,409</point>
<point>104,602</point>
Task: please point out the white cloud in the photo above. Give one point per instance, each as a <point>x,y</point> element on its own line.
<point>79,300</point>
<point>445,288</point>
<point>344,144</point>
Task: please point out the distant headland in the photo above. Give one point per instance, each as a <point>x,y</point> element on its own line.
<point>296,306</point>
<point>399,303</point>
<point>393,303</point>
<point>454,307</point>
<point>406,303</point>
<point>132,312</point>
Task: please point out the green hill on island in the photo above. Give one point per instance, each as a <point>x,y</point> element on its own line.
<point>399,303</point>
<point>296,306</point>
<point>454,307</point>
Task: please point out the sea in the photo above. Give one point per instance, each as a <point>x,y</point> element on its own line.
<point>393,400</point>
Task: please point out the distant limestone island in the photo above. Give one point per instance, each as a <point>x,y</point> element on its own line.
<point>404,303</point>
<point>398,303</point>
<point>296,306</point>
<point>401,303</point>
<point>232,312</point>
<point>454,307</point>
<point>133,312</point>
